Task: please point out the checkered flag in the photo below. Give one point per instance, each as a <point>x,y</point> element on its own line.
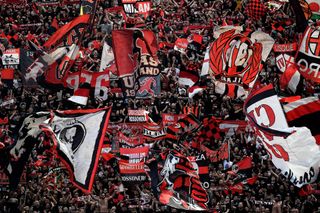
<point>210,129</point>
<point>255,9</point>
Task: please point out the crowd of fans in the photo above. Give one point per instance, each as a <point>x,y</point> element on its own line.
<point>49,190</point>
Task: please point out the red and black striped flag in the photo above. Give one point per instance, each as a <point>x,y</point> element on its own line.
<point>305,112</point>
<point>70,32</point>
<point>183,127</point>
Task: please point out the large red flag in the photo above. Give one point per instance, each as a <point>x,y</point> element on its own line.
<point>77,25</point>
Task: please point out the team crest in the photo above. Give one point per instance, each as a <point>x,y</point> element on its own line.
<point>235,59</point>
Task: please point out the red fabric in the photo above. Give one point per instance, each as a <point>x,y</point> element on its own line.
<point>123,41</point>
<point>237,188</point>
<point>197,38</point>
<point>290,99</point>
<point>63,31</point>
<point>245,163</point>
<point>4,120</point>
<point>107,156</point>
<point>252,180</point>
<point>306,190</point>
<point>7,74</point>
<point>54,23</point>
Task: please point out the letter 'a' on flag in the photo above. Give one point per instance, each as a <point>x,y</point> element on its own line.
<point>64,31</point>
<point>287,147</point>
<point>78,138</point>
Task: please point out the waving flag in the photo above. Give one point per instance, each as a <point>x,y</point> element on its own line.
<point>305,112</point>
<point>56,73</point>
<point>183,128</point>
<point>135,54</point>
<point>291,79</point>
<point>70,32</point>
<point>188,77</point>
<point>179,184</point>
<point>46,65</point>
<point>16,156</point>
<point>235,60</point>
<point>308,56</point>
<point>78,137</point>
<point>286,146</point>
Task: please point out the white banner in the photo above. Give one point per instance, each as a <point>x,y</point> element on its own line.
<point>287,153</point>
<point>78,136</point>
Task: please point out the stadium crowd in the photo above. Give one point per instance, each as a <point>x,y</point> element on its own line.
<point>49,190</point>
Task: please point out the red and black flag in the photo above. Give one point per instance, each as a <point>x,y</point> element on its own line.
<point>69,33</point>
<point>210,129</point>
<point>238,187</point>
<point>222,153</point>
<point>135,54</point>
<point>54,26</point>
<point>305,112</point>
<point>178,181</point>
<point>183,128</point>
<point>255,9</point>
<point>244,164</point>
<point>201,164</point>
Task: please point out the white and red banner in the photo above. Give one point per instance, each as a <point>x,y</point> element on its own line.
<point>283,61</point>
<point>11,58</point>
<point>230,127</point>
<point>135,155</point>
<point>308,56</point>
<point>181,45</point>
<point>235,60</point>
<point>170,119</point>
<point>136,7</point>
<point>287,147</point>
<point>282,48</point>
<point>137,116</point>
<point>98,81</point>
<point>132,172</point>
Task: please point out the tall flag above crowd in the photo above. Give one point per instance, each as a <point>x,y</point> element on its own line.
<point>74,28</point>
<point>136,58</point>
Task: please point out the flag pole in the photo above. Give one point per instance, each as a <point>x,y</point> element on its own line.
<point>228,150</point>
<point>91,22</point>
